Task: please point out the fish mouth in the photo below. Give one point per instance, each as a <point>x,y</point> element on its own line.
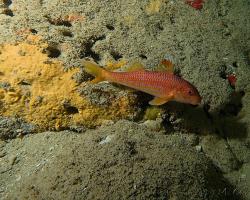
<point>197,101</point>
<point>194,105</point>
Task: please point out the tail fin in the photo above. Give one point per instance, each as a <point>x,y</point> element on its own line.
<point>95,70</point>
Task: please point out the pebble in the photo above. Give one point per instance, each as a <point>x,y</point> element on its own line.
<point>198,148</point>
<point>154,125</point>
<point>106,140</point>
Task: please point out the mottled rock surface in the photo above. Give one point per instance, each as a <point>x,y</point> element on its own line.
<point>120,161</point>
<point>174,151</point>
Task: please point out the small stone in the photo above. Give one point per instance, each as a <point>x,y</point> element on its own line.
<point>198,148</point>
<point>154,125</point>
<point>107,139</point>
<point>13,160</point>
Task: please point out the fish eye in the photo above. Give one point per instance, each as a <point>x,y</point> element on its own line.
<point>190,92</point>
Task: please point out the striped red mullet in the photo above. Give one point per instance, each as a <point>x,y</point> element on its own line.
<point>164,86</point>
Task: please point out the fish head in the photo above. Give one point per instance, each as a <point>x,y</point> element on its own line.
<point>188,94</point>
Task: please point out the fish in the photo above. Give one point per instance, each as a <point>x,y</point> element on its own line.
<point>164,86</point>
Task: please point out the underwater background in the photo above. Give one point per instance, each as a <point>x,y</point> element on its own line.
<point>62,137</point>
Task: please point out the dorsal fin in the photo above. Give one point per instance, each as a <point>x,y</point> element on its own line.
<point>135,67</point>
<point>166,65</point>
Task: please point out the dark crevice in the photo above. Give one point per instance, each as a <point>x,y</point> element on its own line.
<point>235,64</point>
<point>234,106</point>
<point>8,12</point>
<point>7,2</point>
<point>24,82</point>
<point>59,22</point>
<point>143,56</point>
<point>159,26</point>
<point>88,52</point>
<point>172,19</point>
<point>34,31</point>
<point>52,52</point>
<point>102,37</point>
<point>231,109</point>
<point>5,85</point>
<point>70,109</point>
<point>131,149</point>
<point>116,55</point>
<point>223,73</point>
<point>67,33</point>
<point>63,23</point>
<point>206,108</point>
<point>241,93</point>
<point>169,127</point>
<point>110,27</point>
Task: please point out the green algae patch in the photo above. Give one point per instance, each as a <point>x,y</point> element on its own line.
<point>153,112</point>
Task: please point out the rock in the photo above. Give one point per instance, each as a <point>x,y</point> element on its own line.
<point>241,179</point>
<point>134,163</point>
<point>220,153</point>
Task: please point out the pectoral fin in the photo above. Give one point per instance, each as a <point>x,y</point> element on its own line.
<point>97,80</point>
<point>157,101</point>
